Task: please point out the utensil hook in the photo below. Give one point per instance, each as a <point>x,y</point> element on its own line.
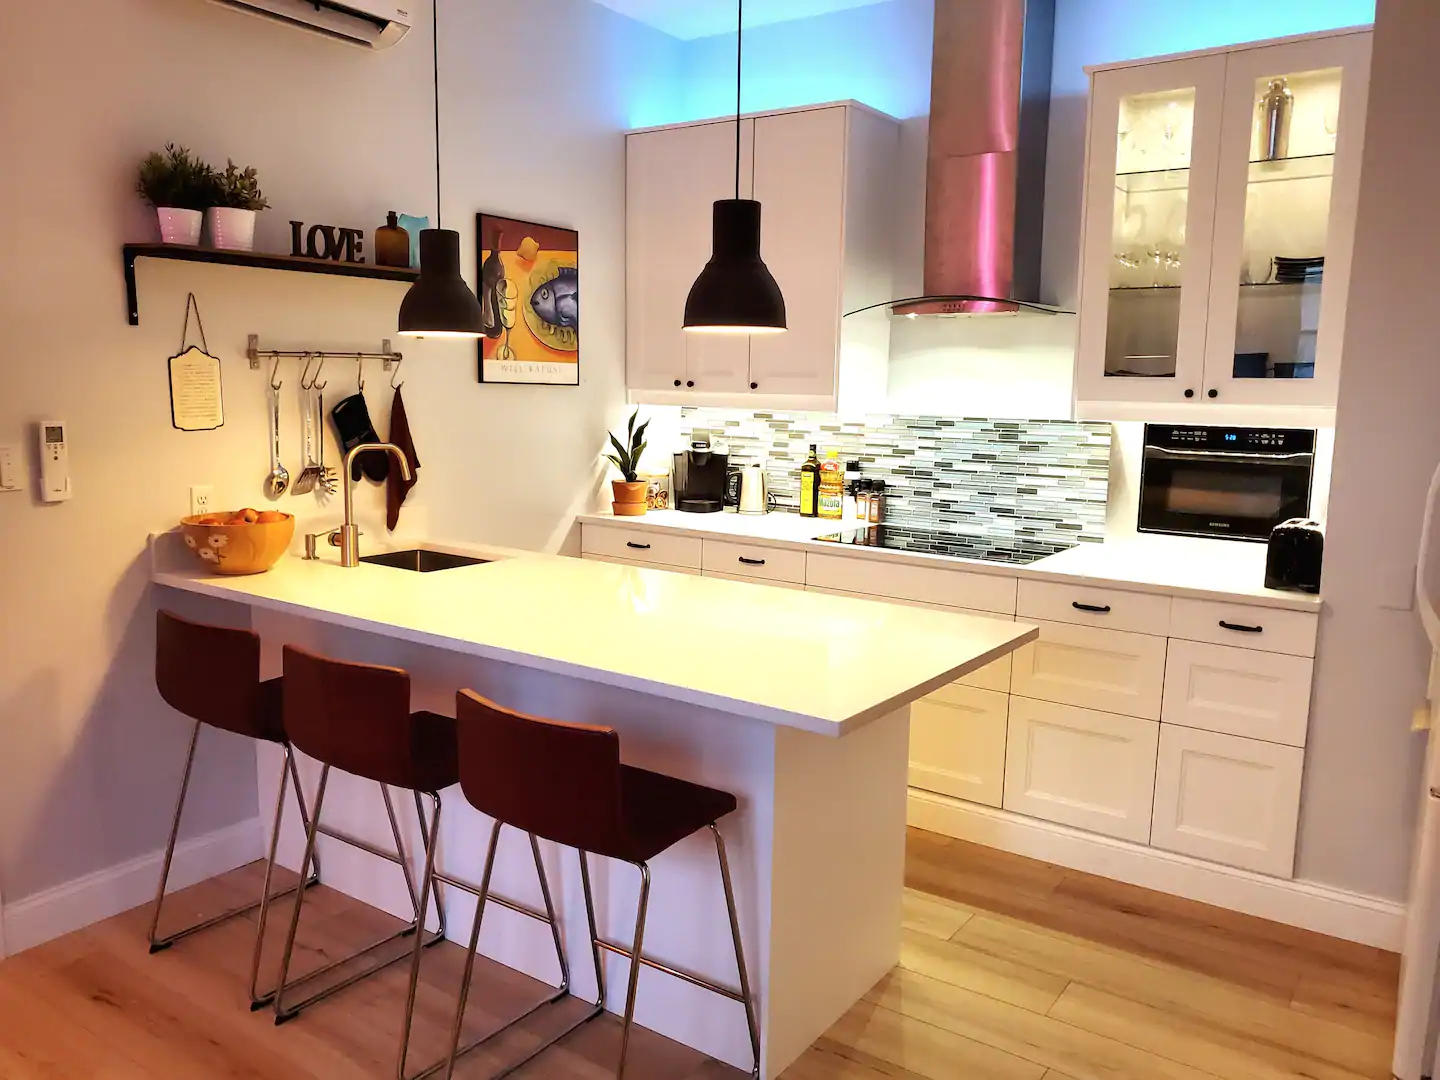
<point>395,370</point>
<point>275,383</point>
<point>305,382</point>
<point>359,373</point>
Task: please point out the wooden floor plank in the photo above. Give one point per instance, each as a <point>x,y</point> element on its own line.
<point>1029,1036</point>
<point>878,1036</point>
<point>1231,1009</point>
<point>933,915</point>
<point>1179,1037</point>
<point>994,976</point>
<point>1339,997</point>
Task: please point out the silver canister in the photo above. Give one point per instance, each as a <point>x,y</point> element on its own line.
<point>1275,107</point>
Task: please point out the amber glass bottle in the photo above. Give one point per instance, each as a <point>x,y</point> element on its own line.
<point>392,243</point>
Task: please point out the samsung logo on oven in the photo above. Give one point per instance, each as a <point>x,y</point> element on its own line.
<point>1218,524</point>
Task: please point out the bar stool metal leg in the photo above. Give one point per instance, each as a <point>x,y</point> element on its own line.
<point>483,897</point>
<point>750,1019</point>
<point>427,882</point>
<point>416,926</point>
<point>635,954</point>
<point>158,944</point>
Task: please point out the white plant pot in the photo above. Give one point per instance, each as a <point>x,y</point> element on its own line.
<point>179,226</point>
<point>231,229</point>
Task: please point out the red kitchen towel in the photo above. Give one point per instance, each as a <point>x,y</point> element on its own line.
<point>396,486</point>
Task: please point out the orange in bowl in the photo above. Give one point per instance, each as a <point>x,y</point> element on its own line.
<point>244,542</point>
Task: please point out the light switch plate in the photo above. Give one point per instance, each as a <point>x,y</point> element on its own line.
<point>10,473</point>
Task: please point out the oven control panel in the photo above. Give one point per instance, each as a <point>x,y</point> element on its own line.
<point>1235,440</point>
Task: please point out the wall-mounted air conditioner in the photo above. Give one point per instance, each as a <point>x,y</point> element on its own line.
<point>375,24</point>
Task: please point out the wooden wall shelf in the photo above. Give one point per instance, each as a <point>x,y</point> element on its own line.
<point>264,261</point>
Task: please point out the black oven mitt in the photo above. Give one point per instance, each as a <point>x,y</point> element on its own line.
<point>352,422</point>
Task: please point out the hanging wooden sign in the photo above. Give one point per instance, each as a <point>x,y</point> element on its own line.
<point>195,396</point>
<point>327,242</point>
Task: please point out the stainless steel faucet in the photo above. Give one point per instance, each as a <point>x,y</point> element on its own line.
<point>349,533</point>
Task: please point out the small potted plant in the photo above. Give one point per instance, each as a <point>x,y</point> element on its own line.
<point>629,492</point>
<point>180,186</point>
<point>232,219</point>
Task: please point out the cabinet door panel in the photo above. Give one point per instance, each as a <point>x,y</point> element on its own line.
<point>1111,670</point>
<point>673,176</point>
<point>1149,214</point>
<point>1259,695</point>
<point>1081,767</point>
<point>692,571</point>
<point>1273,338</point>
<point>1236,801</point>
<point>957,745</point>
<point>800,182</point>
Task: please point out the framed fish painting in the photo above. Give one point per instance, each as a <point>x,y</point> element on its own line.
<point>529,290</point>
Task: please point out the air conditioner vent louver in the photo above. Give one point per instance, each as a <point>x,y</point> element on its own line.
<point>372,24</point>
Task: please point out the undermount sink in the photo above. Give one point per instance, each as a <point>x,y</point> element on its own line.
<point>422,560</point>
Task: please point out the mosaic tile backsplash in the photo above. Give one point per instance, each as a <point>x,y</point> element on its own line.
<point>1046,479</point>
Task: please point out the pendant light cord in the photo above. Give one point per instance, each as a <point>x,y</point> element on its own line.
<point>435,45</point>
<point>739,68</point>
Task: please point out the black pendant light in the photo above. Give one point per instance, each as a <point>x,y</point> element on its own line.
<point>735,293</point>
<point>439,304</point>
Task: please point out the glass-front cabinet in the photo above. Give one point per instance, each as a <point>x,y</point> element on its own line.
<point>1218,224</point>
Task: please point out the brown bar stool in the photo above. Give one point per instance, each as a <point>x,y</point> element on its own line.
<point>212,675</point>
<point>565,782</point>
<point>357,718</point>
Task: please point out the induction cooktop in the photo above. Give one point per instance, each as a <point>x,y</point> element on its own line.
<point>1017,551</point>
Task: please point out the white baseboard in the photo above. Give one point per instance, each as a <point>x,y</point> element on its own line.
<point>76,904</point>
<point>1326,910</point>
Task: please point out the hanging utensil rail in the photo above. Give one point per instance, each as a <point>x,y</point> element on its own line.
<point>388,357</point>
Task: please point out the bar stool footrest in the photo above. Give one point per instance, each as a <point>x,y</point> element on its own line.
<point>683,976</point>
<point>594,1012</point>
<point>292,1011</point>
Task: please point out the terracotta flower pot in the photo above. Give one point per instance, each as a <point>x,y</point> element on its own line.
<point>629,497</point>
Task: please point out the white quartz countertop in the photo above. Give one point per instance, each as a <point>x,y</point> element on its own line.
<point>1173,565</point>
<point>825,664</point>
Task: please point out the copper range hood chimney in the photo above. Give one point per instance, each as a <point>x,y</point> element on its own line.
<point>985,179</point>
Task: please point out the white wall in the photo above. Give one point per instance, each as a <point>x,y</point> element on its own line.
<point>89,756</point>
<point>1362,763</point>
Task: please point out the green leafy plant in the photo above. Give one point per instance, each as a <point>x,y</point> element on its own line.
<point>627,458</point>
<point>240,188</point>
<point>177,178</point>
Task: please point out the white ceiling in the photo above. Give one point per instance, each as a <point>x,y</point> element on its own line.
<point>689,19</point>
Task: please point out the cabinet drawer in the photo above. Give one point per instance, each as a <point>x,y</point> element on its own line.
<point>1233,800</point>
<point>1271,629</point>
<point>1094,770</point>
<point>957,745</point>
<point>753,560</point>
<point>993,676</point>
<point>619,542</point>
<point>1111,670</point>
<point>948,588</point>
<point>644,565</point>
<point>1110,609</point>
<point>1260,695</point>
<point>774,583</point>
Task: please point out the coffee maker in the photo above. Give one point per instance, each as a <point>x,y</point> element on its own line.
<point>700,476</point>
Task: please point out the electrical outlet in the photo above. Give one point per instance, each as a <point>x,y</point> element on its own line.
<point>202,499</point>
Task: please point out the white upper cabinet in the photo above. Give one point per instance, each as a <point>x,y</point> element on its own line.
<point>819,175</point>
<point>1216,253</point>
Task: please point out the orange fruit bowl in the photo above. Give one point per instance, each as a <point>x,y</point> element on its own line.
<point>233,544</point>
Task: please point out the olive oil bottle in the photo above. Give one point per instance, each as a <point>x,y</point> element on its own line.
<point>810,485</point>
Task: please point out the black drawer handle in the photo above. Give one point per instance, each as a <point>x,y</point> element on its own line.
<point>752,562</point>
<point>637,547</point>
<point>1241,627</point>
<point>1098,609</point>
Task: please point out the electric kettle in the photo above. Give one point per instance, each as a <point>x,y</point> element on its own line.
<point>754,499</point>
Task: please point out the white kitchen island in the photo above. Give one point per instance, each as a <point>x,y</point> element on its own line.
<point>796,702</point>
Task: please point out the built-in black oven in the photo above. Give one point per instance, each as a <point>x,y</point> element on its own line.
<point>1228,482</point>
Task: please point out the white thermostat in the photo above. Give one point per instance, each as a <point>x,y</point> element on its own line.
<point>54,461</point>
